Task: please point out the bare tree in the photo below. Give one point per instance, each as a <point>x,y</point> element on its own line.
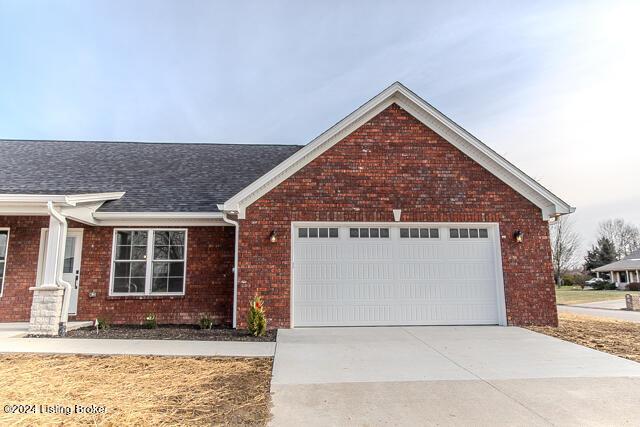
<point>624,236</point>
<point>564,246</point>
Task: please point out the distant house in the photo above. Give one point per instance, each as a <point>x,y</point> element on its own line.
<point>622,272</point>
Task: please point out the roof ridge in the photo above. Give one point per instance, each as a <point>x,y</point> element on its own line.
<point>151,142</point>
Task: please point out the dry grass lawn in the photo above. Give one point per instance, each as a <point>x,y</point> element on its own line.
<point>137,390</point>
<point>569,295</point>
<point>612,336</point>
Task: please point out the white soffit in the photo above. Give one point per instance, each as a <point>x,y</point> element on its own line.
<point>550,204</point>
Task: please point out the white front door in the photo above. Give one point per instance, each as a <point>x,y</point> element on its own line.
<point>396,274</point>
<point>71,263</point>
<point>71,267</point>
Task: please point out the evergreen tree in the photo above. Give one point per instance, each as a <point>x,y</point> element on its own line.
<point>601,254</point>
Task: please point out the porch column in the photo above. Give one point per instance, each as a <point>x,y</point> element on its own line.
<point>48,314</point>
<point>614,278</point>
<point>597,274</point>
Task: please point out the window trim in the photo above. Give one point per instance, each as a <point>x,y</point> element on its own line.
<point>149,267</point>
<point>6,260</point>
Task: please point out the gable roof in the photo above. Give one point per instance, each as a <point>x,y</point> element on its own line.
<point>550,204</point>
<point>155,177</point>
<point>630,262</point>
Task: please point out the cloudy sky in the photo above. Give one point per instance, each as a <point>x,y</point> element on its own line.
<point>552,85</point>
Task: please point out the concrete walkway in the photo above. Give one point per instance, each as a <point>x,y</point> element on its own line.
<point>447,376</point>
<point>606,313</point>
<point>616,304</point>
<point>136,347</point>
<point>20,329</point>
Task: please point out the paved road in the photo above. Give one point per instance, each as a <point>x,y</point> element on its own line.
<point>447,376</point>
<point>629,316</point>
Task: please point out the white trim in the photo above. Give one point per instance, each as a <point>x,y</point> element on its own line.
<point>74,199</point>
<point>6,259</point>
<point>149,264</point>
<point>550,204</point>
<point>236,224</point>
<point>159,219</point>
<point>42,249</point>
<point>495,230</point>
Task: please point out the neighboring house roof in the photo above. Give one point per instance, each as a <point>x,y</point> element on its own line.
<point>630,262</point>
<point>156,177</point>
<point>550,204</point>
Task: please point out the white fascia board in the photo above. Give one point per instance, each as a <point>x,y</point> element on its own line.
<point>157,219</point>
<point>79,207</point>
<point>550,204</point>
<point>32,198</point>
<point>23,209</point>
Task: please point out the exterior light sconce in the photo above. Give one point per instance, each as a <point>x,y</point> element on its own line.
<point>518,236</point>
<point>273,237</point>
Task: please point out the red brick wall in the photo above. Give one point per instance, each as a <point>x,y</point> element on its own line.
<point>209,280</point>
<point>394,161</point>
<point>22,265</point>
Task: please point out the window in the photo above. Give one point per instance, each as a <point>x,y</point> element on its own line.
<point>322,232</point>
<point>419,233</point>
<point>468,233</point>
<point>369,232</point>
<point>4,243</point>
<point>148,262</point>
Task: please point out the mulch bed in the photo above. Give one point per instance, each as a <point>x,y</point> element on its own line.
<point>170,332</point>
<point>134,390</point>
<point>612,336</point>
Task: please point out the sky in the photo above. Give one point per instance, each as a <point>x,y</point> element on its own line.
<point>551,85</point>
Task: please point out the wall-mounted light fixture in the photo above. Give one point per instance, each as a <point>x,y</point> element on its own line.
<point>518,236</point>
<point>273,237</point>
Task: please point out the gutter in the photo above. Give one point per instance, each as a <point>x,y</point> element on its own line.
<point>225,218</point>
<point>64,315</point>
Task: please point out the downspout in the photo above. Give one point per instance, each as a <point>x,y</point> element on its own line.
<point>64,315</point>
<point>226,219</point>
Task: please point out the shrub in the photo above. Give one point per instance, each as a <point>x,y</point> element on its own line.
<point>256,320</point>
<point>574,279</point>
<point>635,286</point>
<point>206,322</point>
<point>102,323</point>
<point>150,321</point>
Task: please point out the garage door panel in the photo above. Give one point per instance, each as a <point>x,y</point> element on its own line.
<point>394,281</point>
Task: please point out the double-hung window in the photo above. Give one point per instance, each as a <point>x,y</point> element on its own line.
<point>149,262</point>
<point>4,243</point>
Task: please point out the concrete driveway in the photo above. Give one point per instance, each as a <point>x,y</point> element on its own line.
<point>447,376</point>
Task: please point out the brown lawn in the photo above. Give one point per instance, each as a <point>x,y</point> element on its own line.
<point>137,390</point>
<point>613,336</point>
<point>569,295</point>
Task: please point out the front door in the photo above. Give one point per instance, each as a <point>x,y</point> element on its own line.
<point>71,267</point>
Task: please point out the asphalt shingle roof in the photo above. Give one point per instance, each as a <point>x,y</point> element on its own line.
<point>630,262</point>
<point>157,177</point>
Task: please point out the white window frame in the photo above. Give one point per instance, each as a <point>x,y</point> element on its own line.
<point>149,267</point>
<point>6,260</point>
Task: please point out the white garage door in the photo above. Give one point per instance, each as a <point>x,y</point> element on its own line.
<point>367,274</point>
